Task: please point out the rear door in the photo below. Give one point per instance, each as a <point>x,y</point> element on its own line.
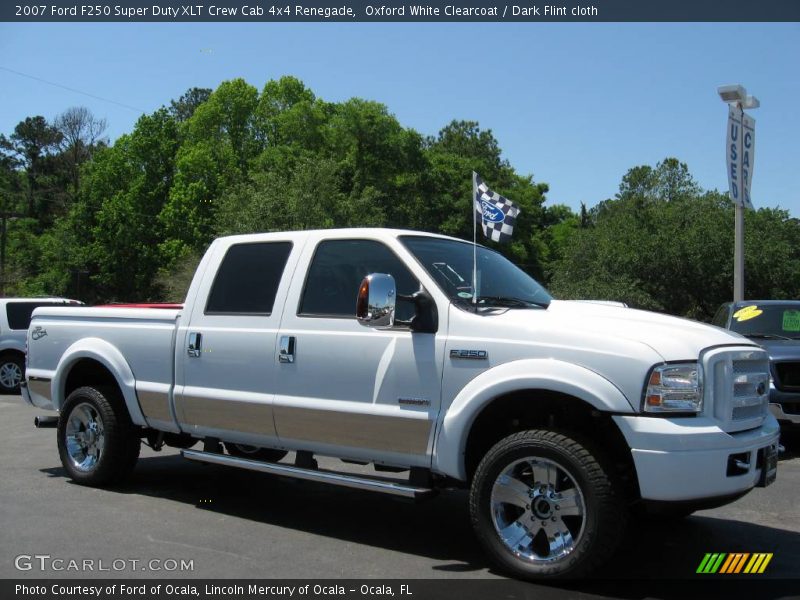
<point>226,349</point>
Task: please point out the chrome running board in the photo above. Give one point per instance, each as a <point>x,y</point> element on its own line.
<point>341,479</point>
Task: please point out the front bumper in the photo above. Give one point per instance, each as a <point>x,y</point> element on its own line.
<point>683,459</point>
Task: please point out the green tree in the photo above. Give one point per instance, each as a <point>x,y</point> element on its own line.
<point>31,148</point>
<point>665,244</point>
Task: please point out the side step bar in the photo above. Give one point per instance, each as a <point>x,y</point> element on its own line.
<point>342,479</point>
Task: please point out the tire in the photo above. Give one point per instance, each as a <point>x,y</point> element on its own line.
<point>97,442</point>
<point>12,372</point>
<point>543,506</point>
<point>254,453</point>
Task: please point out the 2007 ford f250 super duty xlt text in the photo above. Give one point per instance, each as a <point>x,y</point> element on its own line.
<point>373,346</point>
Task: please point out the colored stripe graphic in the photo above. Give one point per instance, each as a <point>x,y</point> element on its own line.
<point>758,563</point>
<point>734,563</point>
<point>724,563</point>
<point>711,562</point>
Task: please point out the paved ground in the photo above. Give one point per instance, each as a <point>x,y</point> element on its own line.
<point>239,524</point>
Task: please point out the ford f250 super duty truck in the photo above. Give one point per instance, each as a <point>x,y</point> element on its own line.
<point>375,346</point>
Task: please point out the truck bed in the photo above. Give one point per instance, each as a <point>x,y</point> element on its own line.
<point>143,339</point>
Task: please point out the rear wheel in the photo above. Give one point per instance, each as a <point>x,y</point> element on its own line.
<point>254,452</point>
<point>543,506</point>
<point>12,370</point>
<point>97,442</point>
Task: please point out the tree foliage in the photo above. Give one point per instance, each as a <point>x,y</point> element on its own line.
<point>128,221</point>
<point>665,244</point>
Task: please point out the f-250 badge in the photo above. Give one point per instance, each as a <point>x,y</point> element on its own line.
<point>38,332</point>
<point>473,354</point>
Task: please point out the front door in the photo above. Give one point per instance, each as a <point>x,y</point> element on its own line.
<point>350,390</point>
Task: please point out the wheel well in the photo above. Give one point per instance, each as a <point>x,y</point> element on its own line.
<point>535,409</point>
<point>12,352</point>
<point>88,371</point>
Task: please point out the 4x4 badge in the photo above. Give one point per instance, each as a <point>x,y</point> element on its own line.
<point>38,333</point>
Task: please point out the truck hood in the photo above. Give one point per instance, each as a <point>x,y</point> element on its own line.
<point>673,338</point>
<point>780,349</point>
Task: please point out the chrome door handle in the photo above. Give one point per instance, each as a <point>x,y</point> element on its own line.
<point>286,349</point>
<point>195,345</point>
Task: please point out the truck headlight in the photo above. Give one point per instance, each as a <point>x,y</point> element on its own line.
<point>674,388</point>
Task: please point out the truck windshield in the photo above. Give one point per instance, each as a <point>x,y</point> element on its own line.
<point>767,321</point>
<point>500,282</point>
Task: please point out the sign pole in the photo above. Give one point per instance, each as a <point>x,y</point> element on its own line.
<point>738,231</point>
<point>738,255</point>
<point>740,154</point>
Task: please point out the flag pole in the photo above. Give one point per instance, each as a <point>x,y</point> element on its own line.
<point>474,239</point>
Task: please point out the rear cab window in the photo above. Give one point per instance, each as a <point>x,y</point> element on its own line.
<point>248,278</point>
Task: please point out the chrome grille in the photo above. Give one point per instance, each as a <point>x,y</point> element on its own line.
<point>750,389</point>
<point>737,386</point>
<point>749,412</point>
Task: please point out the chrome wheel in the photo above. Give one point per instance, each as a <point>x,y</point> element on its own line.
<point>538,510</point>
<point>85,436</point>
<point>10,375</point>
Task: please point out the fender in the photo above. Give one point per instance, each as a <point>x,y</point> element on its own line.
<point>110,357</point>
<point>536,374</point>
<point>13,345</point>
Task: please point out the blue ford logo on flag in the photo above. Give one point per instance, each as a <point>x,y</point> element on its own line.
<point>491,213</point>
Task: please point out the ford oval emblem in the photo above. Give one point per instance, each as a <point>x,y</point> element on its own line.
<point>491,213</point>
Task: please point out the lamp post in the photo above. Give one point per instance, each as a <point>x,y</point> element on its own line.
<point>740,147</point>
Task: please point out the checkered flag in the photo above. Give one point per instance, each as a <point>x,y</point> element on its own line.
<point>496,213</point>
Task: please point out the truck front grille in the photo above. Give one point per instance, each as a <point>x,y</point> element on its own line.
<point>750,389</point>
<point>787,376</point>
<point>738,386</point>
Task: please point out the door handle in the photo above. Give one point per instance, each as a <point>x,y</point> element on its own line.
<point>286,349</point>
<point>195,345</point>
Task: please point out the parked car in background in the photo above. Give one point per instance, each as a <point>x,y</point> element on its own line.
<point>775,325</point>
<point>15,316</point>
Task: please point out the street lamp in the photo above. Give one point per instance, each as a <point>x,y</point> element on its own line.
<point>740,168</point>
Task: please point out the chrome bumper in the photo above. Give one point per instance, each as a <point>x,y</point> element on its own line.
<point>777,411</point>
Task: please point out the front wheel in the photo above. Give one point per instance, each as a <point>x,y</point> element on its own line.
<point>97,442</point>
<point>543,506</point>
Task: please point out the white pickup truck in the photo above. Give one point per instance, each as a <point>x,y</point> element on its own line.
<point>373,346</point>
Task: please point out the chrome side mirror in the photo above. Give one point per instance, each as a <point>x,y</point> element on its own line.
<point>375,305</point>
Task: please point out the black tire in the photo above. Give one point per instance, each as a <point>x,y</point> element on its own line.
<point>254,453</point>
<point>119,450</point>
<point>580,484</point>
<point>12,372</point>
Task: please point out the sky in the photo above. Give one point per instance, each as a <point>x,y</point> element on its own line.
<point>573,104</point>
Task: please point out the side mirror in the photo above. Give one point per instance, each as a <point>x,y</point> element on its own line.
<point>375,305</point>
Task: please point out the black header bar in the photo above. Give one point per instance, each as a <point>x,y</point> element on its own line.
<point>376,11</point>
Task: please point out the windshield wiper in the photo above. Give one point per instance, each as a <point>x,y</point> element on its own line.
<point>767,336</point>
<point>509,301</point>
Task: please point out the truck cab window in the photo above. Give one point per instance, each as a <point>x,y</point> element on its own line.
<point>248,279</point>
<point>336,272</point>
